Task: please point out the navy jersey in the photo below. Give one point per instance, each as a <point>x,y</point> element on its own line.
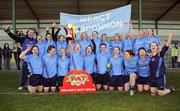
<point>157,65</point>
<point>24,41</point>
<point>28,42</point>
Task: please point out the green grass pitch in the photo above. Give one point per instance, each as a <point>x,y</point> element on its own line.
<point>13,100</point>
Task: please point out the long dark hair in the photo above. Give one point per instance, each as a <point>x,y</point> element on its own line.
<point>7,46</point>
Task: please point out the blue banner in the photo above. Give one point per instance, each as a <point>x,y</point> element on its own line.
<point>108,22</point>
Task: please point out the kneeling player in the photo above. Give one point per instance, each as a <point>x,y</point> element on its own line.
<point>117,70</point>
<point>63,66</point>
<point>50,69</point>
<point>102,77</point>
<point>130,63</point>
<point>35,68</point>
<point>89,62</point>
<point>143,79</point>
<point>158,70</point>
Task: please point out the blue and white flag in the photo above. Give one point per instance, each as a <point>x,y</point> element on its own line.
<point>108,22</point>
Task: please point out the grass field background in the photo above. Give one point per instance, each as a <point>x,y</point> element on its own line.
<point>13,100</point>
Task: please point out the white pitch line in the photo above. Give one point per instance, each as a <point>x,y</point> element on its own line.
<point>98,92</point>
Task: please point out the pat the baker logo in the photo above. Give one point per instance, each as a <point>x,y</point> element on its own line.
<point>77,79</point>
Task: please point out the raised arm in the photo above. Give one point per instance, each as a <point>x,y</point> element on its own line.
<point>23,54</point>
<point>171,35</point>
<point>13,36</point>
<point>47,30</point>
<point>168,43</point>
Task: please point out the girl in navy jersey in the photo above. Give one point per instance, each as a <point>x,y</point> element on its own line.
<point>157,68</point>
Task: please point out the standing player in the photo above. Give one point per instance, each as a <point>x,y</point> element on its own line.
<point>129,42</point>
<point>48,41</point>
<point>117,42</point>
<point>40,45</point>
<point>104,39</point>
<point>26,41</point>
<point>61,43</point>
<point>84,42</point>
<point>139,42</point>
<point>95,42</point>
<point>150,38</point>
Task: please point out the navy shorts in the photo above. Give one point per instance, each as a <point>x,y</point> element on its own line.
<point>50,82</point>
<point>158,83</point>
<point>35,80</point>
<point>93,76</point>
<point>60,80</point>
<point>126,79</point>
<point>102,79</point>
<point>116,81</point>
<point>143,80</point>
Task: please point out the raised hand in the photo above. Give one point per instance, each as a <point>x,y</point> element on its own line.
<point>61,26</point>
<point>29,48</point>
<point>54,24</point>
<point>7,28</point>
<point>47,28</point>
<point>171,35</point>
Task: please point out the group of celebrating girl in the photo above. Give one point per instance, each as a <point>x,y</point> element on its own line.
<point>125,63</point>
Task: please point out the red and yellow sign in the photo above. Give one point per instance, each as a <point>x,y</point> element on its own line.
<point>77,81</point>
